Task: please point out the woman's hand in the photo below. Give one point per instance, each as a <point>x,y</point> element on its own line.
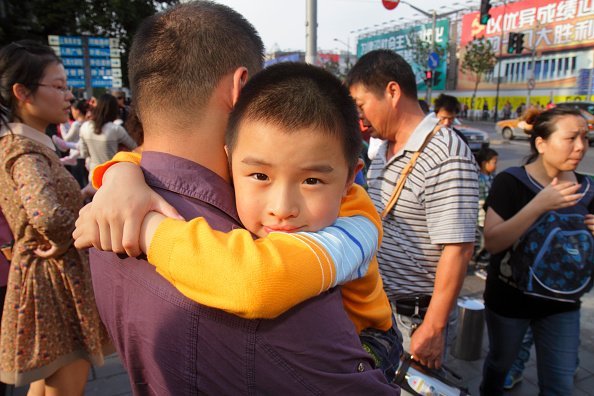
<point>51,250</point>
<point>112,221</point>
<point>557,195</point>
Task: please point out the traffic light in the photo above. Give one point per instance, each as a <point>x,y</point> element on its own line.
<point>429,77</point>
<point>515,43</point>
<point>485,7</point>
<point>436,78</point>
<point>519,43</point>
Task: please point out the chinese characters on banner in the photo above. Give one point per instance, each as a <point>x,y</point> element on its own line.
<point>549,26</point>
<point>400,42</point>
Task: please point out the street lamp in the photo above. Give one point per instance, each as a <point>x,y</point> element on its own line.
<point>348,46</point>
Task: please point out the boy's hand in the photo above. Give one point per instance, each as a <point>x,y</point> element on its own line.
<point>589,220</point>
<point>558,195</point>
<point>113,220</point>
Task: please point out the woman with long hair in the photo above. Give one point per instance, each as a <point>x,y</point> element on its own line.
<point>100,137</point>
<point>539,230</point>
<point>51,330</point>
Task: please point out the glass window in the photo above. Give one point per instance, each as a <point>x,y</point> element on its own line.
<point>537,66</point>
<point>545,69</point>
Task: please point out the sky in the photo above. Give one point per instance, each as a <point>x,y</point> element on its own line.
<point>281,23</point>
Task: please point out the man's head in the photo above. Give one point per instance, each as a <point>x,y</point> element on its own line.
<point>293,141</point>
<point>179,56</point>
<point>447,108</point>
<point>379,82</point>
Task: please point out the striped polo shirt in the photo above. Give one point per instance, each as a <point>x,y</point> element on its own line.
<point>437,206</point>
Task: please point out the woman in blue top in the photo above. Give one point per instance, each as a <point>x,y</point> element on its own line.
<point>558,144</point>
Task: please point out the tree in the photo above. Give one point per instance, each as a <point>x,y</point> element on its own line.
<point>36,19</point>
<point>479,59</point>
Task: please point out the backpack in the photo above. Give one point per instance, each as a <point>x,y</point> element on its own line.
<point>554,259</point>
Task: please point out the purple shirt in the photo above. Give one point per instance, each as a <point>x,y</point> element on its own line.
<point>171,345</point>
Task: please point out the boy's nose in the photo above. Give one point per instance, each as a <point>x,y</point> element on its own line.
<point>283,205</point>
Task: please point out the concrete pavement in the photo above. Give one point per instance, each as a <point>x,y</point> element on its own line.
<point>112,380</point>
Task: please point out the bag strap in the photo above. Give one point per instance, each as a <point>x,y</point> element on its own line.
<point>406,171</point>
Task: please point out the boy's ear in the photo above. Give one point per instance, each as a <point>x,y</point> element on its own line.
<point>351,179</point>
<point>240,77</point>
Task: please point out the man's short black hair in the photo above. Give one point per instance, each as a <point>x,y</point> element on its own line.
<point>448,103</point>
<point>178,56</point>
<point>376,69</point>
<point>293,96</point>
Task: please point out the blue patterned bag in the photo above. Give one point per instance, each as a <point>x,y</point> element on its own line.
<point>554,259</point>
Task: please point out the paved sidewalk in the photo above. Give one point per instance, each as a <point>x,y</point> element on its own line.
<point>112,380</point>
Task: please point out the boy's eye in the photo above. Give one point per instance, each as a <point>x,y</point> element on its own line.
<point>312,181</point>
<point>259,176</point>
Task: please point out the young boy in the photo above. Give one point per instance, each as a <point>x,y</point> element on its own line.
<point>487,160</point>
<point>293,143</point>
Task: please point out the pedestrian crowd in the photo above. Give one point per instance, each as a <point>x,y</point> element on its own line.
<point>252,231</point>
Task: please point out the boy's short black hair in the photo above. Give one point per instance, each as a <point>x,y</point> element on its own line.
<point>485,155</point>
<point>178,56</point>
<point>294,96</point>
<point>376,69</point>
<point>448,103</point>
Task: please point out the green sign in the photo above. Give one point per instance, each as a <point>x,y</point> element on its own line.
<point>412,43</point>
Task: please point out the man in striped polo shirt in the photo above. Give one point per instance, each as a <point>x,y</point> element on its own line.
<point>429,232</point>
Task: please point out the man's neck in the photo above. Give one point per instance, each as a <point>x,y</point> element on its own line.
<point>410,116</point>
<point>200,142</point>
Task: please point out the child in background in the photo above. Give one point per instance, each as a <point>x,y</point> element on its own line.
<point>293,143</point>
<point>487,160</point>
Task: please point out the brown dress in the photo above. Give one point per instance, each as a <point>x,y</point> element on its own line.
<point>50,318</point>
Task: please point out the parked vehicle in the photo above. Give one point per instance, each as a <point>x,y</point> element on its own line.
<point>476,138</point>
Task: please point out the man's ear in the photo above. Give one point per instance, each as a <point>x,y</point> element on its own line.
<point>352,177</point>
<point>240,77</point>
<point>21,92</point>
<point>393,92</point>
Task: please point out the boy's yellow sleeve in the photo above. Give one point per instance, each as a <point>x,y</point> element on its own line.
<point>121,156</point>
<point>252,278</point>
<point>231,271</point>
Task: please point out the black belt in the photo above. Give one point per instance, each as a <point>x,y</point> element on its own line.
<point>410,306</point>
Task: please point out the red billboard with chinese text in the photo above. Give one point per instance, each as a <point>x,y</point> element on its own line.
<point>550,27</point>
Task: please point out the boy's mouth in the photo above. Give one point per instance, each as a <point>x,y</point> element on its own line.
<point>288,229</point>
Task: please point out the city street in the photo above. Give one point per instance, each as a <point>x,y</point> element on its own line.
<point>513,152</point>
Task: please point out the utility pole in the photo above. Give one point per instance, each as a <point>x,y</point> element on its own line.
<point>496,116</point>
<point>589,79</point>
<point>311,24</point>
<point>531,77</point>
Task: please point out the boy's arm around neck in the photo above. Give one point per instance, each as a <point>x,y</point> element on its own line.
<point>265,277</point>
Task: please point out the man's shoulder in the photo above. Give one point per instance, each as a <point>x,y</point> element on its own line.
<point>446,145</point>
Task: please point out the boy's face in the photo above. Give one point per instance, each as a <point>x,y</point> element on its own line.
<point>490,166</point>
<point>287,182</point>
